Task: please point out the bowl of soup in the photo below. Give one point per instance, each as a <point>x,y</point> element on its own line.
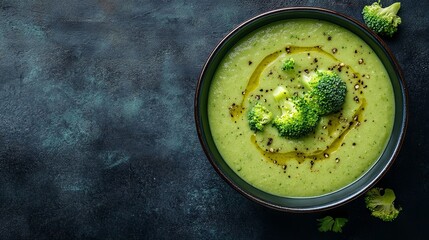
<point>347,152</point>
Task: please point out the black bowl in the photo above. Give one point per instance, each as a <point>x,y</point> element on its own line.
<point>302,204</point>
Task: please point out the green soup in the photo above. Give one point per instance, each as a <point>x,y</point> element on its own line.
<point>344,145</point>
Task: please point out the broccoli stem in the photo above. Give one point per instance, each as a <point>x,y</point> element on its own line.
<point>392,9</point>
<point>389,196</point>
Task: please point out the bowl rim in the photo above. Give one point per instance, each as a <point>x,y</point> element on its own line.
<point>404,121</point>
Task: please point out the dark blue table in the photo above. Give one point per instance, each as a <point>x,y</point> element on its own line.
<point>97,136</point>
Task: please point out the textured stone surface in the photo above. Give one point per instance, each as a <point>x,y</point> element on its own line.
<point>97,137</point>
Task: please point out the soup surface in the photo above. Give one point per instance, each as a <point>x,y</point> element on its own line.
<point>343,146</point>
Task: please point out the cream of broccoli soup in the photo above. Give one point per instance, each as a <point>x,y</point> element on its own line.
<point>342,146</point>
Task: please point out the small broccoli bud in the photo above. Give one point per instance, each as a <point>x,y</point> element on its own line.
<point>383,21</point>
<point>280,93</point>
<point>329,223</point>
<point>258,117</point>
<point>381,204</point>
<point>288,64</point>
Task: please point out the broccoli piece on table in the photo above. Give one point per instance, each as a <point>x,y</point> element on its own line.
<point>288,64</point>
<point>329,223</point>
<point>383,21</point>
<point>297,119</point>
<point>381,204</point>
<point>327,92</point>
<point>258,117</point>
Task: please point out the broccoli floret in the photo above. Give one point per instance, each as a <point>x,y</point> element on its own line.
<point>297,119</point>
<point>329,223</point>
<point>327,92</point>
<point>383,21</point>
<point>258,117</point>
<point>288,64</point>
<point>382,204</point>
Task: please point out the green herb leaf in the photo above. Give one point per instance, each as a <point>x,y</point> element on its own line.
<point>329,223</point>
<point>339,224</point>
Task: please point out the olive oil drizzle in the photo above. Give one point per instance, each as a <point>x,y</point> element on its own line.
<point>281,158</point>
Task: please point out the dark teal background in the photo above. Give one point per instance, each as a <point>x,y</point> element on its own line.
<point>97,132</point>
